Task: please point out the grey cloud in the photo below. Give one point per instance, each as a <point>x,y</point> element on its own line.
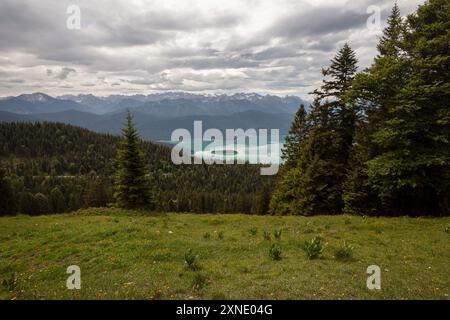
<point>318,21</point>
<point>204,46</point>
<point>64,73</point>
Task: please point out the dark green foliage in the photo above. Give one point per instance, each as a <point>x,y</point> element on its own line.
<point>314,248</point>
<point>253,231</point>
<point>7,205</point>
<point>190,258</point>
<point>206,235</point>
<point>199,281</point>
<point>314,184</point>
<point>297,133</point>
<point>378,142</point>
<point>42,205</point>
<point>402,160</point>
<point>277,234</point>
<point>132,179</point>
<point>86,172</point>
<point>275,252</point>
<point>57,201</point>
<point>345,252</point>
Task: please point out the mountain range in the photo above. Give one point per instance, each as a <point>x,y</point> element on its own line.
<point>155,115</point>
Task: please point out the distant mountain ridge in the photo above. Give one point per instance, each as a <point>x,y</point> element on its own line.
<point>153,128</point>
<point>156,115</point>
<point>198,103</point>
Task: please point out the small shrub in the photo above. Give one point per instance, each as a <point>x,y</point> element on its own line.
<point>447,229</point>
<point>199,281</point>
<point>190,258</point>
<point>10,283</point>
<point>348,221</point>
<point>206,235</point>
<point>253,231</point>
<point>156,294</point>
<point>277,234</point>
<point>266,235</point>
<point>344,253</point>
<point>220,235</point>
<point>314,248</point>
<point>275,252</point>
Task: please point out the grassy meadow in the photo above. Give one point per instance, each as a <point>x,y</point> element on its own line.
<point>132,255</point>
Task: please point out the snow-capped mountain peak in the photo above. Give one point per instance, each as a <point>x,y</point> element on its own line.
<point>35,97</point>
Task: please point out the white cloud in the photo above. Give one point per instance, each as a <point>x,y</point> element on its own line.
<point>126,46</point>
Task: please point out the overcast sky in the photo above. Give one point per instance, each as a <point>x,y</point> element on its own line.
<point>137,46</point>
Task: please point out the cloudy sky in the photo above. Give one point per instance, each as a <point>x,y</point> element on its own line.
<point>210,46</point>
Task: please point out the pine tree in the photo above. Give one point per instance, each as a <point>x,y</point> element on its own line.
<point>41,204</point>
<point>390,41</point>
<point>297,133</point>
<point>404,154</point>
<point>132,186</point>
<point>7,205</point>
<point>374,91</point>
<point>338,77</point>
<point>314,184</point>
<point>57,201</point>
<point>412,172</point>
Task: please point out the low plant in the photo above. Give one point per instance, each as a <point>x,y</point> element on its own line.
<point>206,235</point>
<point>266,235</point>
<point>447,229</point>
<point>190,258</point>
<point>277,234</point>
<point>253,231</point>
<point>314,248</point>
<point>275,252</point>
<point>345,252</point>
<point>10,282</point>
<point>156,294</point>
<point>199,281</point>
<point>220,235</point>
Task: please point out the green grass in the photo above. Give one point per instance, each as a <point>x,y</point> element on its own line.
<point>129,255</point>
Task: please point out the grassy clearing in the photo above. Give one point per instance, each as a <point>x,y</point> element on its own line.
<point>127,255</point>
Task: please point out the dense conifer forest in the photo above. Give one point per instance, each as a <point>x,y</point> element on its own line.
<point>54,168</point>
<point>375,142</point>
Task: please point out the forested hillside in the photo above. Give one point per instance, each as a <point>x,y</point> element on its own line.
<point>377,142</point>
<point>53,167</point>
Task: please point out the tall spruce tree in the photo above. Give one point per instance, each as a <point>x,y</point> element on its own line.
<point>314,184</point>
<point>6,195</point>
<point>391,41</point>
<point>412,172</point>
<point>297,133</point>
<point>132,186</point>
<point>404,153</point>
<point>373,92</point>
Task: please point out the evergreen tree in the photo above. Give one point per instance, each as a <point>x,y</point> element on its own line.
<point>314,185</point>
<point>390,41</point>
<point>132,187</point>
<point>412,171</point>
<point>57,201</point>
<point>7,205</point>
<point>41,204</point>
<point>297,133</point>
<point>374,91</point>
